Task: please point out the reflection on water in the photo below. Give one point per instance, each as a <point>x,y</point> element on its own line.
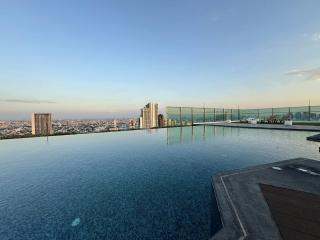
<point>190,134</point>
<point>129,185</point>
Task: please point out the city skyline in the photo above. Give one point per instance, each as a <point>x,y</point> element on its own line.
<point>105,60</point>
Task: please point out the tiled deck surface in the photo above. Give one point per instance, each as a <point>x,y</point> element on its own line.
<point>245,213</point>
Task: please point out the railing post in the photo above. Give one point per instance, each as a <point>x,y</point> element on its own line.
<point>214,114</point>
<point>309,112</point>
<point>238,113</point>
<point>289,114</point>
<point>192,116</point>
<point>223,113</point>
<point>231,114</point>
<point>180,118</point>
<point>204,115</point>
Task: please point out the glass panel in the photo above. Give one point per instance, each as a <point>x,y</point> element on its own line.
<point>209,115</point>
<point>315,113</point>
<point>198,115</point>
<point>281,113</point>
<point>299,113</point>
<point>219,114</point>
<point>173,116</point>
<point>186,116</point>
<point>235,114</point>
<point>265,113</point>
<point>249,113</point>
<point>227,114</point>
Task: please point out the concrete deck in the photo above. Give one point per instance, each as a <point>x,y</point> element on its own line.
<point>315,138</point>
<point>243,208</point>
<point>268,126</point>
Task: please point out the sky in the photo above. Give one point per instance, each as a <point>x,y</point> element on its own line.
<point>108,58</point>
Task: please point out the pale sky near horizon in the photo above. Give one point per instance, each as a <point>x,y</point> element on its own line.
<point>108,58</point>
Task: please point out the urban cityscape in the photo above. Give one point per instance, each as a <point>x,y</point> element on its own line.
<point>43,124</point>
<point>160,120</point>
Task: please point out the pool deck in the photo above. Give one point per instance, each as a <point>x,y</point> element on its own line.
<point>245,214</point>
<point>267,126</point>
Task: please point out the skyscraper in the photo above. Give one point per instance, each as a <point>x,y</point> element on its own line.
<point>149,116</point>
<point>161,120</point>
<point>41,124</point>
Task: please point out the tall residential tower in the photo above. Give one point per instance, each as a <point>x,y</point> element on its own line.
<point>149,116</point>
<point>41,124</point>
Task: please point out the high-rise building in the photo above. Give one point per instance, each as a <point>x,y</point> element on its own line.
<point>132,124</point>
<point>161,120</point>
<point>41,124</point>
<point>149,116</point>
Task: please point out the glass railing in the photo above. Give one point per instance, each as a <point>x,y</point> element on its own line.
<point>184,116</point>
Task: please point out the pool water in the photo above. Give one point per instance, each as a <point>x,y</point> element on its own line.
<point>129,185</point>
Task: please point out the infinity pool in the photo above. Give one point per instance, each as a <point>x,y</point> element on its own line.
<point>129,185</point>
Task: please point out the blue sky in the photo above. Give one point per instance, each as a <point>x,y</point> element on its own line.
<point>101,59</point>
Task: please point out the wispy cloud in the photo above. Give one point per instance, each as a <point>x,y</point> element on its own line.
<point>315,37</point>
<point>26,101</point>
<point>308,75</point>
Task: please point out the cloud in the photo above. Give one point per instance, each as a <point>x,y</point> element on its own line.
<point>26,101</point>
<point>308,75</point>
<point>315,37</point>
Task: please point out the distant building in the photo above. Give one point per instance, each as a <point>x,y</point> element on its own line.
<point>132,124</point>
<point>41,124</point>
<point>115,126</point>
<point>149,116</point>
<point>161,121</point>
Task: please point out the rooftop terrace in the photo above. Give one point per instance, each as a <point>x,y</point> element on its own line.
<point>273,201</point>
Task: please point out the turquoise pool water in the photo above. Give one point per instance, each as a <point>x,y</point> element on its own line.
<point>129,185</point>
